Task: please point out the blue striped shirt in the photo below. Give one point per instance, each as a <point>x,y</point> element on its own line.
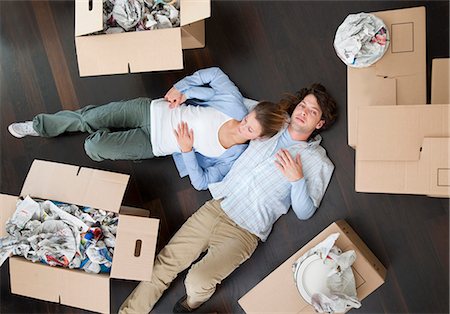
<point>255,193</point>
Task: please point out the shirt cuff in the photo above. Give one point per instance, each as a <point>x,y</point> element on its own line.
<point>299,182</point>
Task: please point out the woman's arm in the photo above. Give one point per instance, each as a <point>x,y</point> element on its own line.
<point>200,178</point>
<point>193,86</point>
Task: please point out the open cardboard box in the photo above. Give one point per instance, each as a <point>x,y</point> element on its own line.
<point>403,149</point>
<point>152,50</point>
<point>135,240</point>
<point>277,293</point>
<point>399,77</point>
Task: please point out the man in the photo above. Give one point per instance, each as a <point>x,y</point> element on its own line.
<point>291,168</point>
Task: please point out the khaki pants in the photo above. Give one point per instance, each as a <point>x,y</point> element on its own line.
<point>208,229</point>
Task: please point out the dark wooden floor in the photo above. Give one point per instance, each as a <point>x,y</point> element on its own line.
<point>267,48</point>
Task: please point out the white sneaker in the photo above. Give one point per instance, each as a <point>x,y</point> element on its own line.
<point>21,129</point>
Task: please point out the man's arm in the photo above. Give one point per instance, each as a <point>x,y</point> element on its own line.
<point>292,169</point>
<point>301,202</point>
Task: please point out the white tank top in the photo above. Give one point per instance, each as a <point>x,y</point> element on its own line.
<point>204,121</point>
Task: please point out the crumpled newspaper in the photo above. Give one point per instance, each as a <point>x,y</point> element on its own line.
<point>340,281</point>
<point>139,15</point>
<point>361,40</point>
<point>57,233</point>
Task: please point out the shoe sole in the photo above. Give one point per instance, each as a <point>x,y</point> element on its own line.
<point>14,133</point>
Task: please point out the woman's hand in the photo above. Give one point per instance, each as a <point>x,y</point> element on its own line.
<point>174,97</point>
<point>184,136</point>
<point>291,168</point>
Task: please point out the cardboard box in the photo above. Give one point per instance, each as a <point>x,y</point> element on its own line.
<point>403,149</point>
<point>277,293</point>
<point>135,240</point>
<point>440,82</point>
<point>152,50</point>
<point>399,77</point>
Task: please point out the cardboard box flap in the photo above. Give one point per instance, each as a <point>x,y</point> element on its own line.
<point>395,133</point>
<point>194,10</point>
<point>158,50</point>
<point>193,35</point>
<point>35,280</point>
<point>134,252</point>
<point>88,16</point>
<point>7,209</point>
<point>440,82</point>
<point>85,291</point>
<point>76,185</point>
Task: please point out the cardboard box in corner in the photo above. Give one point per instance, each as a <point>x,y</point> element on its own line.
<point>277,293</point>
<point>85,187</point>
<point>143,51</point>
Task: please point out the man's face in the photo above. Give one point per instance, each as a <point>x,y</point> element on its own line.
<point>307,116</point>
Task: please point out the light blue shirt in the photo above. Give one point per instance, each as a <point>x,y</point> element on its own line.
<point>255,193</point>
<point>210,87</point>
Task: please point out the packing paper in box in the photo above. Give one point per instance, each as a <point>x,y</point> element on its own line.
<point>361,40</point>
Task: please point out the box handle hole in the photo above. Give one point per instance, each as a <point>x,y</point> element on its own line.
<point>90,5</point>
<point>137,248</point>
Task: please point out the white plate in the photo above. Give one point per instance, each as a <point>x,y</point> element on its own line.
<point>311,277</point>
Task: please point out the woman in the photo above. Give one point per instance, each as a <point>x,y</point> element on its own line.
<point>205,135</point>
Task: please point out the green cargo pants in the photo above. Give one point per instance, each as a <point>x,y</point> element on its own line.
<point>118,130</point>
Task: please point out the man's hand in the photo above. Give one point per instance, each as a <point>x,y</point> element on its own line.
<point>185,137</point>
<point>174,97</point>
<point>289,167</point>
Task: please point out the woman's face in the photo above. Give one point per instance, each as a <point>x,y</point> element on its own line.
<point>249,127</point>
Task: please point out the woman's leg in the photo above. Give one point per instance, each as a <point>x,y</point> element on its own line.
<point>134,144</point>
<point>122,114</point>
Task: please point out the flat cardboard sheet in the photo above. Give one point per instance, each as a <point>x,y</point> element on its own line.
<point>403,67</point>
<point>403,149</point>
<point>277,293</point>
<point>429,175</point>
<point>440,82</point>
<point>396,133</point>
<point>75,185</point>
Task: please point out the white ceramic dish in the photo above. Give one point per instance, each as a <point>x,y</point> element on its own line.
<point>311,277</point>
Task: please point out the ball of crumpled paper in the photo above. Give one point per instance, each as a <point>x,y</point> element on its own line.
<point>361,40</point>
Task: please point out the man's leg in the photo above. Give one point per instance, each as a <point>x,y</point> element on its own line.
<point>230,245</point>
<point>122,114</point>
<point>184,248</point>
